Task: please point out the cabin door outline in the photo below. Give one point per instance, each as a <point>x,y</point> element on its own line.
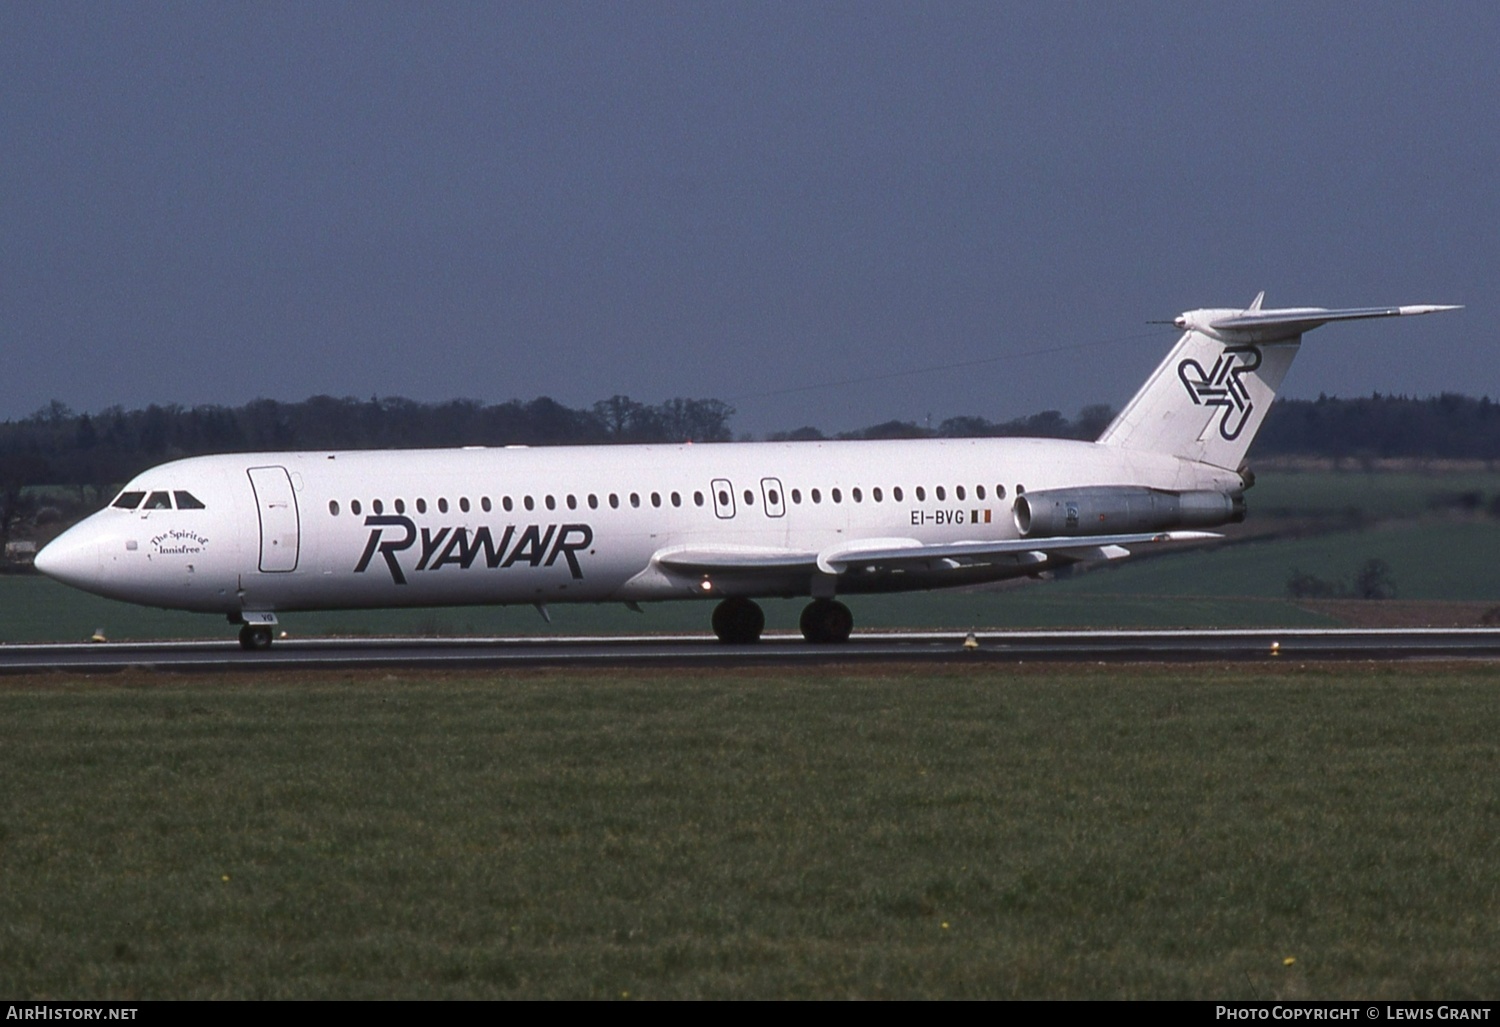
<point>280,522</point>
<point>773,497</point>
<point>723,491</point>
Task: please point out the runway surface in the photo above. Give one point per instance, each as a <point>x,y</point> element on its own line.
<point>786,650</point>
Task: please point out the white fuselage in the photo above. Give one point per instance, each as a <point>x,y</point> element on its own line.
<point>327,530</point>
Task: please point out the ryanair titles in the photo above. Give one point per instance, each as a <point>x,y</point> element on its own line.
<point>535,545</point>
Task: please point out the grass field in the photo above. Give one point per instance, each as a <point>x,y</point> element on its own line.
<point>1058,831</point>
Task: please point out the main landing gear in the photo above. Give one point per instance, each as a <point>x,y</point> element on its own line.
<point>825,621</point>
<point>740,621</point>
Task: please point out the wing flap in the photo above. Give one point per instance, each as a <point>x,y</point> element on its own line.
<point>882,554</point>
<point>1083,547</point>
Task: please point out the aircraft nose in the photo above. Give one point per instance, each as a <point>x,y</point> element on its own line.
<point>72,558</point>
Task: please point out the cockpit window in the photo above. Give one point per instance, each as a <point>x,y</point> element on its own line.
<point>158,501</point>
<point>129,500</point>
<point>187,501</point>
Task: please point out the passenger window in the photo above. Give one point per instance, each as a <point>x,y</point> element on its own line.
<point>442,506</point>
<point>333,507</point>
<point>401,506</point>
<point>724,498</point>
<point>187,501</point>
<point>797,496</point>
<point>572,502</point>
<point>676,499</point>
<point>999,491</point>
<point>896,493</point>
<point>656,499</point>
<point>129,500</point>
<point>354,507</point>
<point>529,503</point>
<point>463,503</point>
<point>507,503</point>
<point>921,494</point>
<point>697,498</point>
<point>158,501</point>
<point>979,491</point>
<point>773,497</point>
<point>614,501</point>
<point>484,504</point>
<point>942,493</point>
<point>635,499</point>
<point>1020,490</point>
<point>377,506</point>
<point>421,506</point>
<point>593,501</point>
<point>876,493</point>
<point>858,498</point>
<point>551,503</point>
<point>838,497</point>
<point>817,497</point>
<point>749,498</point>
<point>958,492</point>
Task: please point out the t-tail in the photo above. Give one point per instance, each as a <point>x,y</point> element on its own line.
<point>1208,398</point>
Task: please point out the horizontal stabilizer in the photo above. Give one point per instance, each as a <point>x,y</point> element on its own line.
<point>1292,321</point>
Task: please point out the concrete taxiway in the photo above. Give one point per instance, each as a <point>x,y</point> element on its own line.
<point>785,650</point>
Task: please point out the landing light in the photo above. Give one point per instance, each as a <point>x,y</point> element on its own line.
<point>706,585</point>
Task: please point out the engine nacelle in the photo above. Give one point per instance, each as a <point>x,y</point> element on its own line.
<point>1118,510</point>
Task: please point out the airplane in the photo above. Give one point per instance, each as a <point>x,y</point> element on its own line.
<point>255,535</point>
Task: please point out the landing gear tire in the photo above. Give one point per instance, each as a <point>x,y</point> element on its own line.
<point>255,637</point>
<point>826,621</point>
<point>738,621</point>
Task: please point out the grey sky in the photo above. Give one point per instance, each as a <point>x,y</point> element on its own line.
<point>206,202</point>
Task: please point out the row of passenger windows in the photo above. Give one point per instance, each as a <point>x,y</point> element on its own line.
<point>157,500</point>
<point>656,499</point>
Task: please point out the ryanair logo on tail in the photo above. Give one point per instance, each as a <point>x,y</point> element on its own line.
<point>1220,386</point>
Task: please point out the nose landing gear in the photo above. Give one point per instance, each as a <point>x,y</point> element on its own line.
<point>255,629</point>
<point>255,637</point>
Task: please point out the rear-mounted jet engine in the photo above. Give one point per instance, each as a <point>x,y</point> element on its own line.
<point>1112,510</point>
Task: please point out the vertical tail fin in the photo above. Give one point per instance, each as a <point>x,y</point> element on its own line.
<point>1207,400</point>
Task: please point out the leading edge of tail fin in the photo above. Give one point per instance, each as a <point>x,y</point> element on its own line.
<point>1207,399</point>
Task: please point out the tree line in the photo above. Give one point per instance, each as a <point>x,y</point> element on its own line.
<point>56,446</point>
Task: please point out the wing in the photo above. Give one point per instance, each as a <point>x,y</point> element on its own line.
<point>891,554</point>
<point>727,559</point>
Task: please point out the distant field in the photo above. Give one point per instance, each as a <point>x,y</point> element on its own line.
<point>1377,494</point>
<point>1327,523</point>
<point>1035,832</point>
<point>1433,559</point>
